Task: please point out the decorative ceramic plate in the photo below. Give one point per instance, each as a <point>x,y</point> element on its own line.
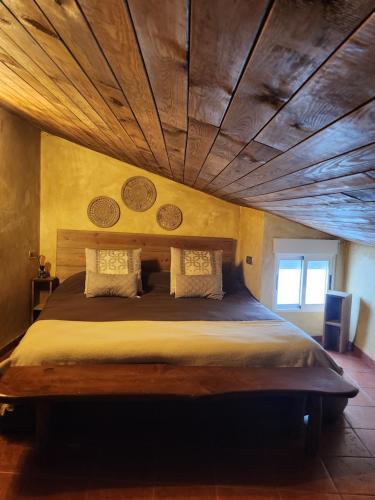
<point>138,193</point>
<point>169,217</point>
<point>103,211</point>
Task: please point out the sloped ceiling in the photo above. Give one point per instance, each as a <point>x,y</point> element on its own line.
<point>268,104</point>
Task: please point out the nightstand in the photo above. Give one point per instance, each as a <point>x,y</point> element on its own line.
<point>41,289</point>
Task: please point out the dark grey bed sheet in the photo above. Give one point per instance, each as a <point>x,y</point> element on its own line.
<point>68,302</point>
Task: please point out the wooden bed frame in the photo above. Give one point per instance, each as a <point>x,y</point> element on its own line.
<point>43,385</point>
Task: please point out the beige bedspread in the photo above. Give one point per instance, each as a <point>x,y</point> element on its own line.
<point>225,343</point>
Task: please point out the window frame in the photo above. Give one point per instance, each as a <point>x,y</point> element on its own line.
<point>305,257</point>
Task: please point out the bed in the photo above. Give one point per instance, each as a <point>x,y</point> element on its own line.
<point>157,328</point>
<point>237,331</point>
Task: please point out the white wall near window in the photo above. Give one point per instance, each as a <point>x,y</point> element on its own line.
<point>304,270</point>
<point>305,246</point>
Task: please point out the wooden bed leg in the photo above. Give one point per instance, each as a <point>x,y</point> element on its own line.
<point>314,425</point>
<point>42,423</point>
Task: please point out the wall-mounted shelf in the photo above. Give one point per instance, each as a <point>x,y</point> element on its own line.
<point>337,320</point>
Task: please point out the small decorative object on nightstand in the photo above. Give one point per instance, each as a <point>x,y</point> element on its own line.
<point>337,320</point>
<point>42,272</point>
<point>41,289</point>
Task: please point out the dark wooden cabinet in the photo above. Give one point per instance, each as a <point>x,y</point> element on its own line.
<point>41,289</point>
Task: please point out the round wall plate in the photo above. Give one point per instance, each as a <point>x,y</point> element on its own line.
<point>138,193</point>
<point>169,217</point>
<point>103,211</point>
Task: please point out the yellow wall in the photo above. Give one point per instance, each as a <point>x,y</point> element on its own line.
<point>251,243</point>
<point>360,282</point>
<point>72,175</point>
<point>19,221</point>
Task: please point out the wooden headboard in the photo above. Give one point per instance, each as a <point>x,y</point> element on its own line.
<point>71,244</point>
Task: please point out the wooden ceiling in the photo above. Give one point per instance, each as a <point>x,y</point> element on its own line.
<point>268,104</point>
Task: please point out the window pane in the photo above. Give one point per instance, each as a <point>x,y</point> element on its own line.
<point>289,282</point>
<point>316,281</point>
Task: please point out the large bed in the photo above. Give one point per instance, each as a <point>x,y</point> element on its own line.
<point>237,331</point>
<point>157,328</point>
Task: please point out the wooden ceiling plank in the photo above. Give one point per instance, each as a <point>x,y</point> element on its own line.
<point>69,22</point>
<point>251,157</point>
<point>365,211</point>
<point>11,33</point>
<point>224,151</point>
<point>322,202</point>
<point>343,83</point>
<point>34,21</point>
<point>175,141</point>
<point>319,201</point>
<point>344,223</point>
<point>162,30</point>
<point>12,97</point>
<point>342,226</point>
<point>363,195</point>
<point>359,160</point>
<point>16,101</point>
<point>21,100</point>
<point>337,185</point>
<point>353,131</point>
<point>12,80</point>
<point>199,141</point>
<point>49,73</point>
<point>286,55</point>
<point>112,26</point>
<point>221,39</point>
<point>73,121</point>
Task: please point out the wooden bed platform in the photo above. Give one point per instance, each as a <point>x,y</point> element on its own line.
<point>44,385</point>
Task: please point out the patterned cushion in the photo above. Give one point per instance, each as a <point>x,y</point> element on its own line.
<point>196,263</point>
<point>111,285</point>
<point>122,261</point>
<point>208,286</point>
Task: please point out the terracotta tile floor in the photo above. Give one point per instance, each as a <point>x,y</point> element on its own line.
<point>215,460</point>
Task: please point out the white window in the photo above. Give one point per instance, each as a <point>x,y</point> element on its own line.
<point>303,277</point>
